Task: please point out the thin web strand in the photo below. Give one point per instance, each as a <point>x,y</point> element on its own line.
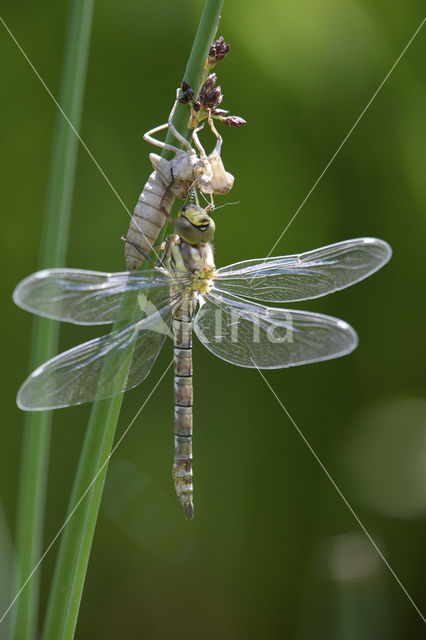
<point>346,138</point>
<point>85,147</point>
<point>48,548</point>
<point>341,495</point>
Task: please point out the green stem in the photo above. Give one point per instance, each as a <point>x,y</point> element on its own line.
<point>193,75</point>
<point>36,439</point>
<point>73,557</point>
<point>74,552</point>
<point>195,65</point>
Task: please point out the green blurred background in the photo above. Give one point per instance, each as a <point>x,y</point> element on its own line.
<point>274,551</point>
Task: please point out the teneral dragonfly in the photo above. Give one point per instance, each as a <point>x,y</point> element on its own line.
<point>228,321</point>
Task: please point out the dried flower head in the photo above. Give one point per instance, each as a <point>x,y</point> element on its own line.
<point>210,81</point>
<point>187,93</point>
<point>219,112</point>
<point>210,99</point>
<point>218,51</point>
<point>214,98</point>
<point>234,121</point>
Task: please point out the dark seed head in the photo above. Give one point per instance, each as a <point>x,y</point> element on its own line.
<point>210,99</point>
<point>210,81</point>
<point>187,93</point>
<point>214,98</point>
<point>234,121</point>
<point>218,51</point>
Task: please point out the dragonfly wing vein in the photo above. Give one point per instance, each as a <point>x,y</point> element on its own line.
<point>98,369</point>
<point>90,297</point>
<point>252,335</point>
<point>307,275</point>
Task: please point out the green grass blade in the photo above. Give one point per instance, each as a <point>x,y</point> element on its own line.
<point>6,565</point>
<point>73,557</point>
<point>36,439</point>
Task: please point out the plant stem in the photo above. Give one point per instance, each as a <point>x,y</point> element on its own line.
<point>73,557</point>
<point>200,49</point>
<point>36,438</point>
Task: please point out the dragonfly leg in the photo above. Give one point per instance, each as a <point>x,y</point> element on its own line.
<point>159,143</point>
<point>140,250</point>
<point>169,186</point>
<point>168,125</point>
<point>164,246</point>
<point>172,127</point>
<point>218,146</point>
<point>197,142</point>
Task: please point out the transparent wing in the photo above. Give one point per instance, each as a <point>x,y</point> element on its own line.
<point>252,335</point>
<point>92,297</point>
<point>307,275</point>
<point>97,369</point>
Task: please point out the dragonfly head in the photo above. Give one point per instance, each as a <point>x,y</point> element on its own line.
<point>194,225</point>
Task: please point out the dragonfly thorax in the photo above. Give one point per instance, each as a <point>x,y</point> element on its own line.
<point>196,260</point>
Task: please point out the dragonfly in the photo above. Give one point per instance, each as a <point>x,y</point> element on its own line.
<point>185,293</point>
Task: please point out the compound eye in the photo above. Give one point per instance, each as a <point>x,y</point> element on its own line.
<point>208,231</point>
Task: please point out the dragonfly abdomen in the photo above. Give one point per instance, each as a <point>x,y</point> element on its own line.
<point>148,218</point>
<point>182,465</point>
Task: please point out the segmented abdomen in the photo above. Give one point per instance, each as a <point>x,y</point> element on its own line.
<point>147,220</point>
<point>182,465</point>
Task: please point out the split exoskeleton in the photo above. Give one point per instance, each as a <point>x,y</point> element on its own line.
<point>190,170</point>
